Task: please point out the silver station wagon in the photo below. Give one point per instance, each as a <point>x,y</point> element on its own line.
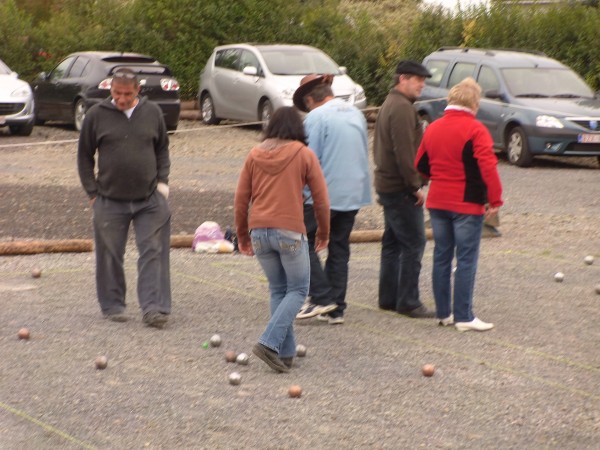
<point>249,82</point>
<point>531,104</point>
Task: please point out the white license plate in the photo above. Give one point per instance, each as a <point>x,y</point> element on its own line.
<point>588,138</point>
<point>2,120</point>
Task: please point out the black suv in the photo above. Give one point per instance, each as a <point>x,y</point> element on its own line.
<point>532,104</point>
<point>84,78</point>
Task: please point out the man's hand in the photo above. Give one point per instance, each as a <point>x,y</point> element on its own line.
<point>420,195</point>
<point>163,188</point>
<point>320,245</point>
<point>92,201</point>
<point>245,248</point>
<point>491,212</point>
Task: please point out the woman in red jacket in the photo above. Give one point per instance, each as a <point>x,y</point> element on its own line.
<point>457,155</point>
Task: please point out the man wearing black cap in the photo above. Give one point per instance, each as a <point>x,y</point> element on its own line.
<point>398,133</point>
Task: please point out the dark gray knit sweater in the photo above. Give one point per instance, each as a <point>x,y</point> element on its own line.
<point>133,154</point>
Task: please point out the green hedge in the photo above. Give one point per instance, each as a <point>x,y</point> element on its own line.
<point>36,34</point>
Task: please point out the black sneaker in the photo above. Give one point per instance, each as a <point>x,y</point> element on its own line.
<point>270,358</point>
<point>420,312</point>
<point>311,310</point>
<point>155,319</point>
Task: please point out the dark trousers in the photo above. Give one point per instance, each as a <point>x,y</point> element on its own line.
<point>328,284</point>
<point>152,224</point>
<point>402,248</point>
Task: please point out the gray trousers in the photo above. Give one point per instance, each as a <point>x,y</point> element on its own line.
<point>152,224</point>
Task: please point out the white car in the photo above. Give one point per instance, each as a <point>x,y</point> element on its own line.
<point>16,103</point>
<point>248,82</point>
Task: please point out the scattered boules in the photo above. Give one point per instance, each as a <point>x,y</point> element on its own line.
<point>295,391</point>
<point>559,277</point>
<point>235,378</point>
<point>589,260</point>
<point>215,340</point>
<point>23,334</point>
<point>300,350</point>
<point>428,370</point>
<point>101,362</point>
<point>242,359</point>
<point>36,272</point>
<point>230,356</point>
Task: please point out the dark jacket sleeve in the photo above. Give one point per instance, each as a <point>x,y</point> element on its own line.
<point>406,137</point>
<point>163,161</point>
<point>85,155</point>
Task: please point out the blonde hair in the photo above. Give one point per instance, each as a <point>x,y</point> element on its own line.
<point>466,93</point>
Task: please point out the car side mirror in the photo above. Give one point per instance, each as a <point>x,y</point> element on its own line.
<point>250,70</point>
<point>343,70</point>
<point>43,76</point>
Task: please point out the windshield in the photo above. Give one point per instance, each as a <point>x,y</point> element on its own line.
<point>4,70</point>
<point>538,82</point>
<point>291,61</point>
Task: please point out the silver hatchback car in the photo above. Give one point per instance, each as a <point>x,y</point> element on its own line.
<point>248,82</point>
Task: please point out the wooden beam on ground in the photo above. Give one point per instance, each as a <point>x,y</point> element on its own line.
<point>47,246</point>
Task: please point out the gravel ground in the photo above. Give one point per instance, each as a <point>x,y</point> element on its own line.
<point>532,382</point>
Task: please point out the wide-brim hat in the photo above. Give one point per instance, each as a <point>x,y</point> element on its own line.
<point>307,84</point>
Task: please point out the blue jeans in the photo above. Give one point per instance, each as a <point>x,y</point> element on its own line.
<point>283,255</point>
<point>402,248</point>
<point>461,233</point>
<point>328,284</point>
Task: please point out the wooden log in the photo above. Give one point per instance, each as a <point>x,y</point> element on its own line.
<point>48,246</point>
<point>182,241</point>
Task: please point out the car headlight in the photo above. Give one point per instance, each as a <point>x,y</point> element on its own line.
<point>548,122</point>
<point>24,91</point>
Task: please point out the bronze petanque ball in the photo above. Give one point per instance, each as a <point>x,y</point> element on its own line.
<point>101,362</point>
<point>24,334</point>
<point>428,370</point>
<point>295,391</point>
<point>230,356</point>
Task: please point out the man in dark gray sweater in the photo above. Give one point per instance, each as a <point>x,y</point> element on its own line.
<point>130,185</point>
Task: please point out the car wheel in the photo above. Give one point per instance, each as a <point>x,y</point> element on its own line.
<point>22,130</point>
<point>265,112</point>
<point>207,108</point>
<point>78,114</point>
<point>517,148</point>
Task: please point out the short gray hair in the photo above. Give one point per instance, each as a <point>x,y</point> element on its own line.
<point>466,93</point>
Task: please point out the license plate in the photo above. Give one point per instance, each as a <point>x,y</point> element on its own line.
<point>2,120</point>
<point>588,138</point>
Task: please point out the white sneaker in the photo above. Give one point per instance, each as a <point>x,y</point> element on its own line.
<point>447,321</point>
<point>332,320</point>
<point>474,325</point>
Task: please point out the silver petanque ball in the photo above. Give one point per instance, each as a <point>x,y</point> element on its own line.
<point>559,277</point>
<point>300,350</point>
<point>235,378</point>
<point>215,340</point>
<point>589,260</point>
<point>242,359</point>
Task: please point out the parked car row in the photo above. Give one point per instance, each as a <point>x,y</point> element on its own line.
<point>531,104</point>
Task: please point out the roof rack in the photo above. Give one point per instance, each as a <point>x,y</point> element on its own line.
<point>490,51</point>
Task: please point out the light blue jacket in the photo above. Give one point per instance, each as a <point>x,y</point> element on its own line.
<point>337,133</point>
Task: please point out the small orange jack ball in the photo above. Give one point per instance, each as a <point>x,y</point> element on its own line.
<point>428,370</point>
<point>23,333</point>
<point>295,391</point>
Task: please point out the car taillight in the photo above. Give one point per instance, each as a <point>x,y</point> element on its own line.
<point>169,84</point>
<point>105,84</point>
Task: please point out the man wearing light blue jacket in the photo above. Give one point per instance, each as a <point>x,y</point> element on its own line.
<point>337,132</point>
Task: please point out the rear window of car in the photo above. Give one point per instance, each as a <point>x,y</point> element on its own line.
<point>147,69</point>
<point>437,69</point>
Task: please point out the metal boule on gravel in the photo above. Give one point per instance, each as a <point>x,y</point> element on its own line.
<point>215,340</point>
<point>559,277</point>
<point>24,334</point>
<point>230,356</point>
<point>242,359</point>
<point>300,350</point>
<point>235,378</point>
<point>589,260</point>
<point>36,272</point>
<point>101,362</point>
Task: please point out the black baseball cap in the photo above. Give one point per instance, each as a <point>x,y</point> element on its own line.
<point>409,67</point>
